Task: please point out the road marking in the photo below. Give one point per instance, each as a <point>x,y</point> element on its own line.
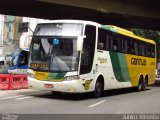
<point>97,103</point>
<point>12,97</point>
<point>23,98</point>
<point>119,112</point>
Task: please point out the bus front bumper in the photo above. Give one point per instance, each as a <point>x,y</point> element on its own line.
<point>64,86</point>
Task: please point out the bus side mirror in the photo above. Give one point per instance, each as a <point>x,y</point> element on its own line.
<point>23,27</point>
<point>80,42</point>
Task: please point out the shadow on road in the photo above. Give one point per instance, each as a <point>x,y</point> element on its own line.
<point>85,96</point>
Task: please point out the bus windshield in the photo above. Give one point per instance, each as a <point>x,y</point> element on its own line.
<point>54,54</point>
<point>58,29</point>
<point>54,47</point>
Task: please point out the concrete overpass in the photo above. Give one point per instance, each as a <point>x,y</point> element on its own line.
<point>123,13</point>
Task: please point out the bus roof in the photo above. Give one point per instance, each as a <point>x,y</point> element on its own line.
<point>71,21</point>
<point>127,33</point>
<point>108,27</point>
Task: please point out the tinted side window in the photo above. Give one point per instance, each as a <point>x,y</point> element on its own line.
<point>104,39</point>
<point>88,49</point>
<point>153,51</point>
<point>124,45</point>
<point>142,51</point>
<point>115,45</point>
<point>102,43</point>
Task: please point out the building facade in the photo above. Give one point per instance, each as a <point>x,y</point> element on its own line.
<point>10,37</point>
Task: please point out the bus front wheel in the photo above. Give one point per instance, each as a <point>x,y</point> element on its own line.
<point>98,89</point>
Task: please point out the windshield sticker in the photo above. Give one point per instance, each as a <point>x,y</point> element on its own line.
<point>55,41</point>
<point>38,65</point>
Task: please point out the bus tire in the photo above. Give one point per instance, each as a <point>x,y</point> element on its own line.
<point>98,88</point>
<point>140,85</point>
<point>145,83</point>
<point>56,93</point>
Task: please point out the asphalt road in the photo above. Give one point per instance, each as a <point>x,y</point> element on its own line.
<point>121,101</point>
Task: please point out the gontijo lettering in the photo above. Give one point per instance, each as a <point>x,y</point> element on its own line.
<point>137,61</point>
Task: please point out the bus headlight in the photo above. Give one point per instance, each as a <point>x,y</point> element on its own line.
<point>31,75</point>
<point>74,77</point>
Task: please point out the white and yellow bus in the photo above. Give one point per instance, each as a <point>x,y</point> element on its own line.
<point>81,56</point>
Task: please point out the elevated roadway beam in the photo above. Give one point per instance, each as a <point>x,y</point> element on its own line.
<point>144,8</point>
<point>123,13</point>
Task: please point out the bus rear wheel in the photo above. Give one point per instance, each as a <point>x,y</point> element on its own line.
<point>144,85</point>
<point>140,85</point>
<point>98,89</point>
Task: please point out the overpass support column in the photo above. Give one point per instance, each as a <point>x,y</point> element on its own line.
<point>11,35</point>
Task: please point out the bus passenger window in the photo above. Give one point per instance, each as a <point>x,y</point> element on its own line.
<point>108,42</point>
<point>152,51</point>
<point>101,39</point>
<point>148,50</point>
<point>136,48</point>
<point>141,49</point>
<point>101,45</point>
<point>115,43</point>
<point>124,45</point>
<point>152,54</point>
<point>130,47</point>
<point>115,47</point>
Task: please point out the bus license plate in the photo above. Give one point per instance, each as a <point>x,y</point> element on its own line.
<point>48,85</point>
